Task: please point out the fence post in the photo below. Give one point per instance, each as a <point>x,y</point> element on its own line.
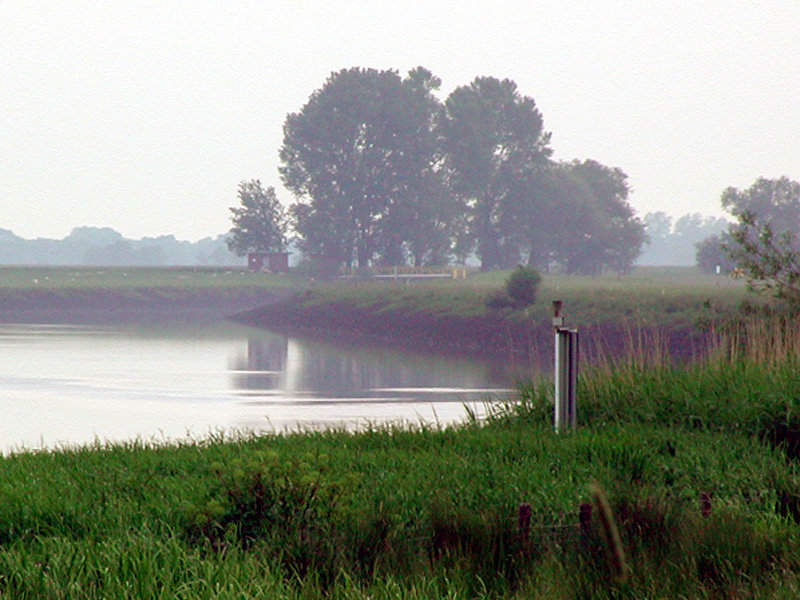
<point>565,372</point>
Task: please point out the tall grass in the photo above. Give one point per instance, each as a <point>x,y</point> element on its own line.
<point>429,511</point>
<point>745,382</point>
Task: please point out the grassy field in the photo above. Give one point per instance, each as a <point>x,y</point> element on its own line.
<point>647,293</point>
<point>115,278</point>
<point>452,315</point>
<point>29,291</point>
<point>699,466</point>
<point>679,294</point>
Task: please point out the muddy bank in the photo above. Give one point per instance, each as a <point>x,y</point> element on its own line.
<point>109,304</point>
<point>492,335</point>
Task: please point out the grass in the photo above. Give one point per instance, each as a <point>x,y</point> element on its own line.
<point>117,278</point>
<point>676,295</point>
<point>648,294</point>
<point>379,509</point>
<point>453,314</point>
<point>43,290</point>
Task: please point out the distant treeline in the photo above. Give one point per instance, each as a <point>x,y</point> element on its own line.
<point>107,247</point>
<point>674,242</point>
<point>670,242</point>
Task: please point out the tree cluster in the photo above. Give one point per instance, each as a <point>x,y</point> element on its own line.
<point>384,172</point>
<point>676,241</point>
<point>96,246</point>
<point>764,242</point>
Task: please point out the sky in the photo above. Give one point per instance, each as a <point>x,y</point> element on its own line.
<point>145,116</point>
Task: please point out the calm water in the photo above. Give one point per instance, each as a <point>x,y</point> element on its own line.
<point>74,384</point>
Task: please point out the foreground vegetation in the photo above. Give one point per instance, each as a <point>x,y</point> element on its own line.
<point>698,464</point>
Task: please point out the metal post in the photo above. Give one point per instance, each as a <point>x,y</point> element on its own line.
<point>565,372</point>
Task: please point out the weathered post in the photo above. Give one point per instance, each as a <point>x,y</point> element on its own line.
<point>565,372</point>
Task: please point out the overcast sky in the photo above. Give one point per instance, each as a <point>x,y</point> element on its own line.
<point>145,116</point>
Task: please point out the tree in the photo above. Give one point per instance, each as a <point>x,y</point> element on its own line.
<point>765,240</point>
<point>658,225</point>
<point>423,221</point>
<point>348,156</point>
<point>711,256</point>
<point>493,136</point>
<point>593,226</point>
<point>259,222</point>
<point>676,243</point>
<point>772,201</point>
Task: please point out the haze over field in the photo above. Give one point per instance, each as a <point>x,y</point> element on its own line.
<point>144,117</point>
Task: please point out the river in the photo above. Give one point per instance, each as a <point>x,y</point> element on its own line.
<point>74,384</point>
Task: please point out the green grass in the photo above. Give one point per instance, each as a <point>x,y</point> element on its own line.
<point>649,294</point>
<point>384,509</point>
<point>115,278</point>
<point>676,296</point>
<point>89,289</point>
<point>455,314</point>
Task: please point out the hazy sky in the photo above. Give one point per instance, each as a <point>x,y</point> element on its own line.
<point>145,116</point>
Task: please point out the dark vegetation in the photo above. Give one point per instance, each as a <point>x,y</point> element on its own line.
<point>519,291</point>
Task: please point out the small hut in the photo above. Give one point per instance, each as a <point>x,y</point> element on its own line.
<point>274,262</point>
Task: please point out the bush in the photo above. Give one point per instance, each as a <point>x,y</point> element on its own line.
<point>520,290</point>
<point>522,285</point>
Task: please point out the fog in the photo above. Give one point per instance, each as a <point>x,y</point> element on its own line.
<point>144,117</point>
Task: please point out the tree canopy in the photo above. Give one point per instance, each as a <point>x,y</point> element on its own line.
<point>385,172</point>
<point>353,153</point>
<point>493,136</point>
<point>765,240</point>
<point>259,222</point>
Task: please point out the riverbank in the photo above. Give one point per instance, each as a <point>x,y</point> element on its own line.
<point>671,304</point>
<point>451,316</point>
<point>703,493</point>
<point>107,294</point>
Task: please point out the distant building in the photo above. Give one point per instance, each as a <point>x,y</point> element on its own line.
<point>274,262</point>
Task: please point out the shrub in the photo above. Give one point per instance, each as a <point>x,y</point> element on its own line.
<point>519,291</point>
<point>522,285</point>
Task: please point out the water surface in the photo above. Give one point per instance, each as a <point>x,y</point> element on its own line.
<point>66,384</point>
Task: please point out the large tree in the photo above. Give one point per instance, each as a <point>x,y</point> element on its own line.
<point>259,221</point>
<point>612,234</point>
<point>493,137</point>
<point>424,218</point>
<point>576,215</point>
<point>352,155</point>
<point>768,201</point>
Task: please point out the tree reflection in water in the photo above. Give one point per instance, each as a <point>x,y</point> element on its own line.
<point>274,364</point>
